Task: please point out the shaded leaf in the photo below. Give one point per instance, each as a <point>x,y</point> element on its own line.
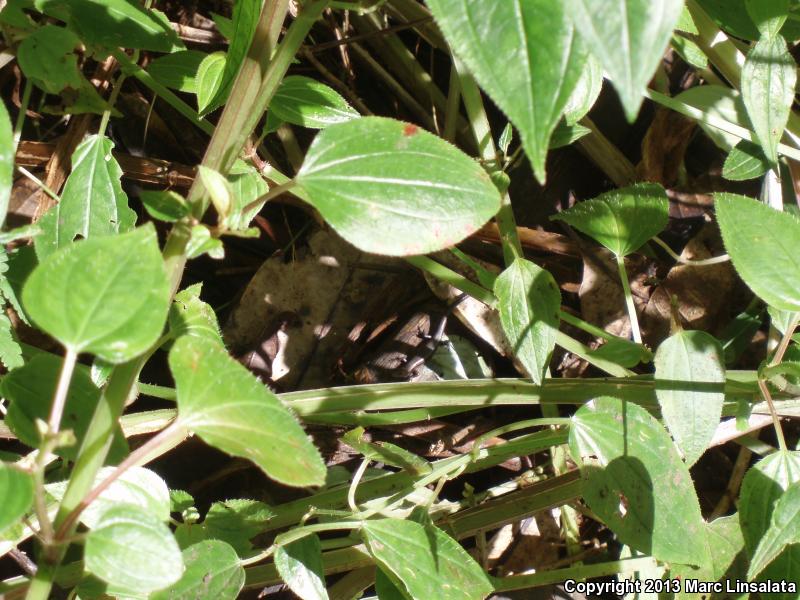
<point>529,301</point>
<point>724,539</point>
<point>133,550</point>
<point>636,482</point>
<point>306,102</point>
<point>108,296</point>
<point>585,94</point>
<point>762,486</point>
<point>48,57</point>
<point>745,161</point>
<point>692,413</point>
<point>213,572</point>
<point>629,38</point>
<point>784,530</point>
<point>166,205</point>
<point>177,70</point>
<point>425,561</point>
<point>189,315</point>
<point>762,244</point>
<point>621,220</point>
<point>769,76</point>
<point>209,80</point>
<point>92,204</point>
<point>230,409</point>
<point>564,135</point>
<point>114,23</point>
<point>623,352</point>
<point>537,37</point>
<point>768,15</point>
<point>300,566</point>
<point>391,188</point>
<point>16,495</point>
<point>31,389</point>
<point>721,102</point>
<point>732,16</point>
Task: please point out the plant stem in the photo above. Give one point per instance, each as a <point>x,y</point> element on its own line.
<point>166,436</point>
<point>714,121</point>
<point>23,109</point>
<point>714,260</point>
<point>272,193</point>
<point>254,87</point>
<point>626,288</point>
<point>128,66</point>
<point>60,397</point>
<point>762,385</point>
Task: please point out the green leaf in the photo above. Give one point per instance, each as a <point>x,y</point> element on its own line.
<point>92,204</point>
<point>762,244</point>
<point>386,452</point>
<point>16,495</point>
<point>732,16</point>
<point>138,487</point>
<point>180,501</point>
<point>246,185</point>
<point>762,486</point>
<point>425,561</point>
<point>189,315</point>
<point>691,413</point>
<point>133,550</point>
<point>31,389</point>
<point>724,538</point>
<point>166,205</point>
<point>202,242</point>
<point>213,572</point>
<point>10,350</point>
<point>236,522</point>
<point>306,102</point>
<point>6,161</point>
<point>745,161</point>
<point>391,188</point>
<point>386,589</point>
<point>564,135</point>
<point>629,38</point>
<point>585,94</point>
<point>768,15</point>
<point>230,409</point>
<point>209,80</point>
<point>244,22</point>
<point>538,39</point>
<point>300,566</point>
<point>48,57</point>
<point>621,220</point>
<point>529,301</point>
<point>177,70</point>
<point>115,23</point>
<point>218,189</point>
<point>108,296</point>
<point>769,76</point>
<point>690,52</point>
<point>784,530</point>
<point>636,482</point>
<point>623,352</point>
<point>718,101</point>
